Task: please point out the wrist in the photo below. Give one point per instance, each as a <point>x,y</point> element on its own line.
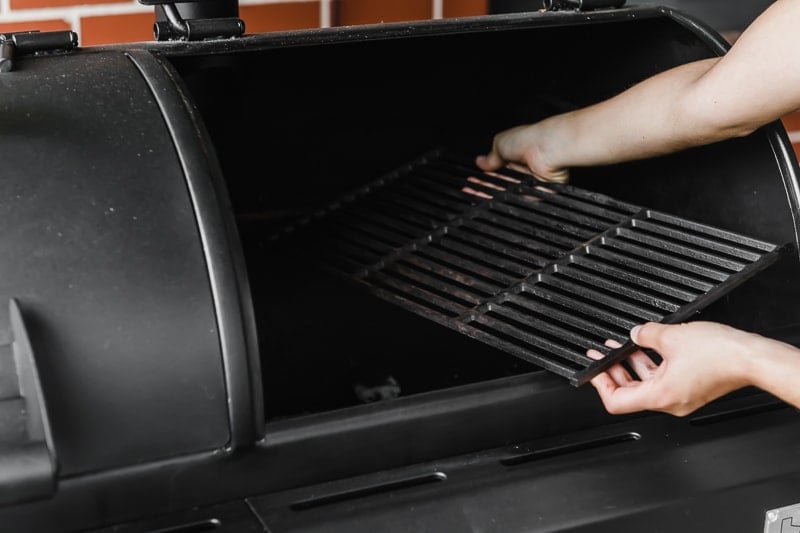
<point>550,143</point>
<point>763,360</point>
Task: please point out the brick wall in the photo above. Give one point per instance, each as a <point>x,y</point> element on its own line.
<point>120,21</point>
<point>792,124</point>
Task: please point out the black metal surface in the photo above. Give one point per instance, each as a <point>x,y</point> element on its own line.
<point>142,334</point>
<point>565,484</point>
<point>28,464</point>
<point>107,264</point>
<point>27,42</point>
<point>541,271</point>
<point>722,15</point>
<point>230,288</point>
<point>582,5</point>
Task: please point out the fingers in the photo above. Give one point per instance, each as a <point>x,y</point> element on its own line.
<point>618,390</point>
<point>605,385</point>
<point>619,396</point>
<point>617,373</point>
<point>559,176</point>
<point>492,162</point>
<point>519,167</point>
<point>622,400</point>
<point>642,365</point>
<point>489,162</point>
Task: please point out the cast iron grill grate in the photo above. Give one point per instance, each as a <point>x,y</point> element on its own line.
<point>541,271</point>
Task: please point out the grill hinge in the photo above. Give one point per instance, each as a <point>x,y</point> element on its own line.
<point>581,5</point>
<point>176,28</point>
<point>32,42</point>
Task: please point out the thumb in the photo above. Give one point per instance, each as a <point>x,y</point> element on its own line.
<point>649,334</point>
<point>491,161</point>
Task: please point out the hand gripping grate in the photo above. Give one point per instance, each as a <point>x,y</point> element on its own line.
<point>541,271</point>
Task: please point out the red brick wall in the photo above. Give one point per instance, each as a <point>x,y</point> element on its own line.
<point>100,22</point>
<point>792,124</point>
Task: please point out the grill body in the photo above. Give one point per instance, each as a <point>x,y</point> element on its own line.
<point>197,373</point>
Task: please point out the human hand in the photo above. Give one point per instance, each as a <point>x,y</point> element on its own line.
<point>523,148</point>
<point>701,361</point>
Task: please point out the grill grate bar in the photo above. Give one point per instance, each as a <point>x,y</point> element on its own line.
<point>538,219</point>
<point>377,234</point>
<point>443,192</point>
<point>337,231</point>
<point>348,256</point>
<point>659,257</point>
<point>444,182</point>
<point>584,308</point>
<point>530,339</point>
<point>711,244</point>
<point>689,252</point>
<point>467,266</point>
<point>733,238</point>
<point>435,284</point>
<point>438,210</point>
<point>619,288</point>
<point>588,294</point>
<point>402,290</point>
<point>381,220</point>
<point>541,307</point>
<point>535,231</point>
<point>556,365</point>
<point>556,212</point>
<point>530,321</point>
<point>457,276</point>
<point>535,196</point>
<point>409,212</point>
<point>649,268</point>
<point>545,249</point>
<point>541,271</point>
<point>512,262</point>
<point>627,276</point>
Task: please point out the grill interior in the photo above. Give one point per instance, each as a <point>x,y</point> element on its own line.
<point>540,271</point>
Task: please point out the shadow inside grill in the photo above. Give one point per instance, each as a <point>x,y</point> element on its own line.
<point>539,271</point>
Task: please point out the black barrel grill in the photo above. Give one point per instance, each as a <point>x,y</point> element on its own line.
<point>256,283</point>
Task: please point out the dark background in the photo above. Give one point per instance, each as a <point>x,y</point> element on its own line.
<point>722,15</point>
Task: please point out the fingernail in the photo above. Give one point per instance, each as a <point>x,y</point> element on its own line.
<point>635,332</point>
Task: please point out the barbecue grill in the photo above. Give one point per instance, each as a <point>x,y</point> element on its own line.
<point>254,282</point>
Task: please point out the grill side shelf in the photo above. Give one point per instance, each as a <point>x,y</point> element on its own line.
<point>541,271</point>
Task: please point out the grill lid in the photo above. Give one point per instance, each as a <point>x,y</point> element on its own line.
<point>542,271</point>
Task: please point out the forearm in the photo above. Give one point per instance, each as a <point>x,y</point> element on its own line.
<point>774,366</point>
<point>697,103</point>
<point>649,119</point>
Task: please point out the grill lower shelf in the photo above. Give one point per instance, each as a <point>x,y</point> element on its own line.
<point>541,271</point>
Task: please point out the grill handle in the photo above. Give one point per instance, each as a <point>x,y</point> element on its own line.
<point>28,464</point>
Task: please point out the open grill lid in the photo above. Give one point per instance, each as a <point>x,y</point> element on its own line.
<point>542,271</point>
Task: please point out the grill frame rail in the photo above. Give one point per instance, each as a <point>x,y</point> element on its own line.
<point>539,270</point>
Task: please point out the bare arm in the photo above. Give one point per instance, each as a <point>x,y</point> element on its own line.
<point>756,82</point>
